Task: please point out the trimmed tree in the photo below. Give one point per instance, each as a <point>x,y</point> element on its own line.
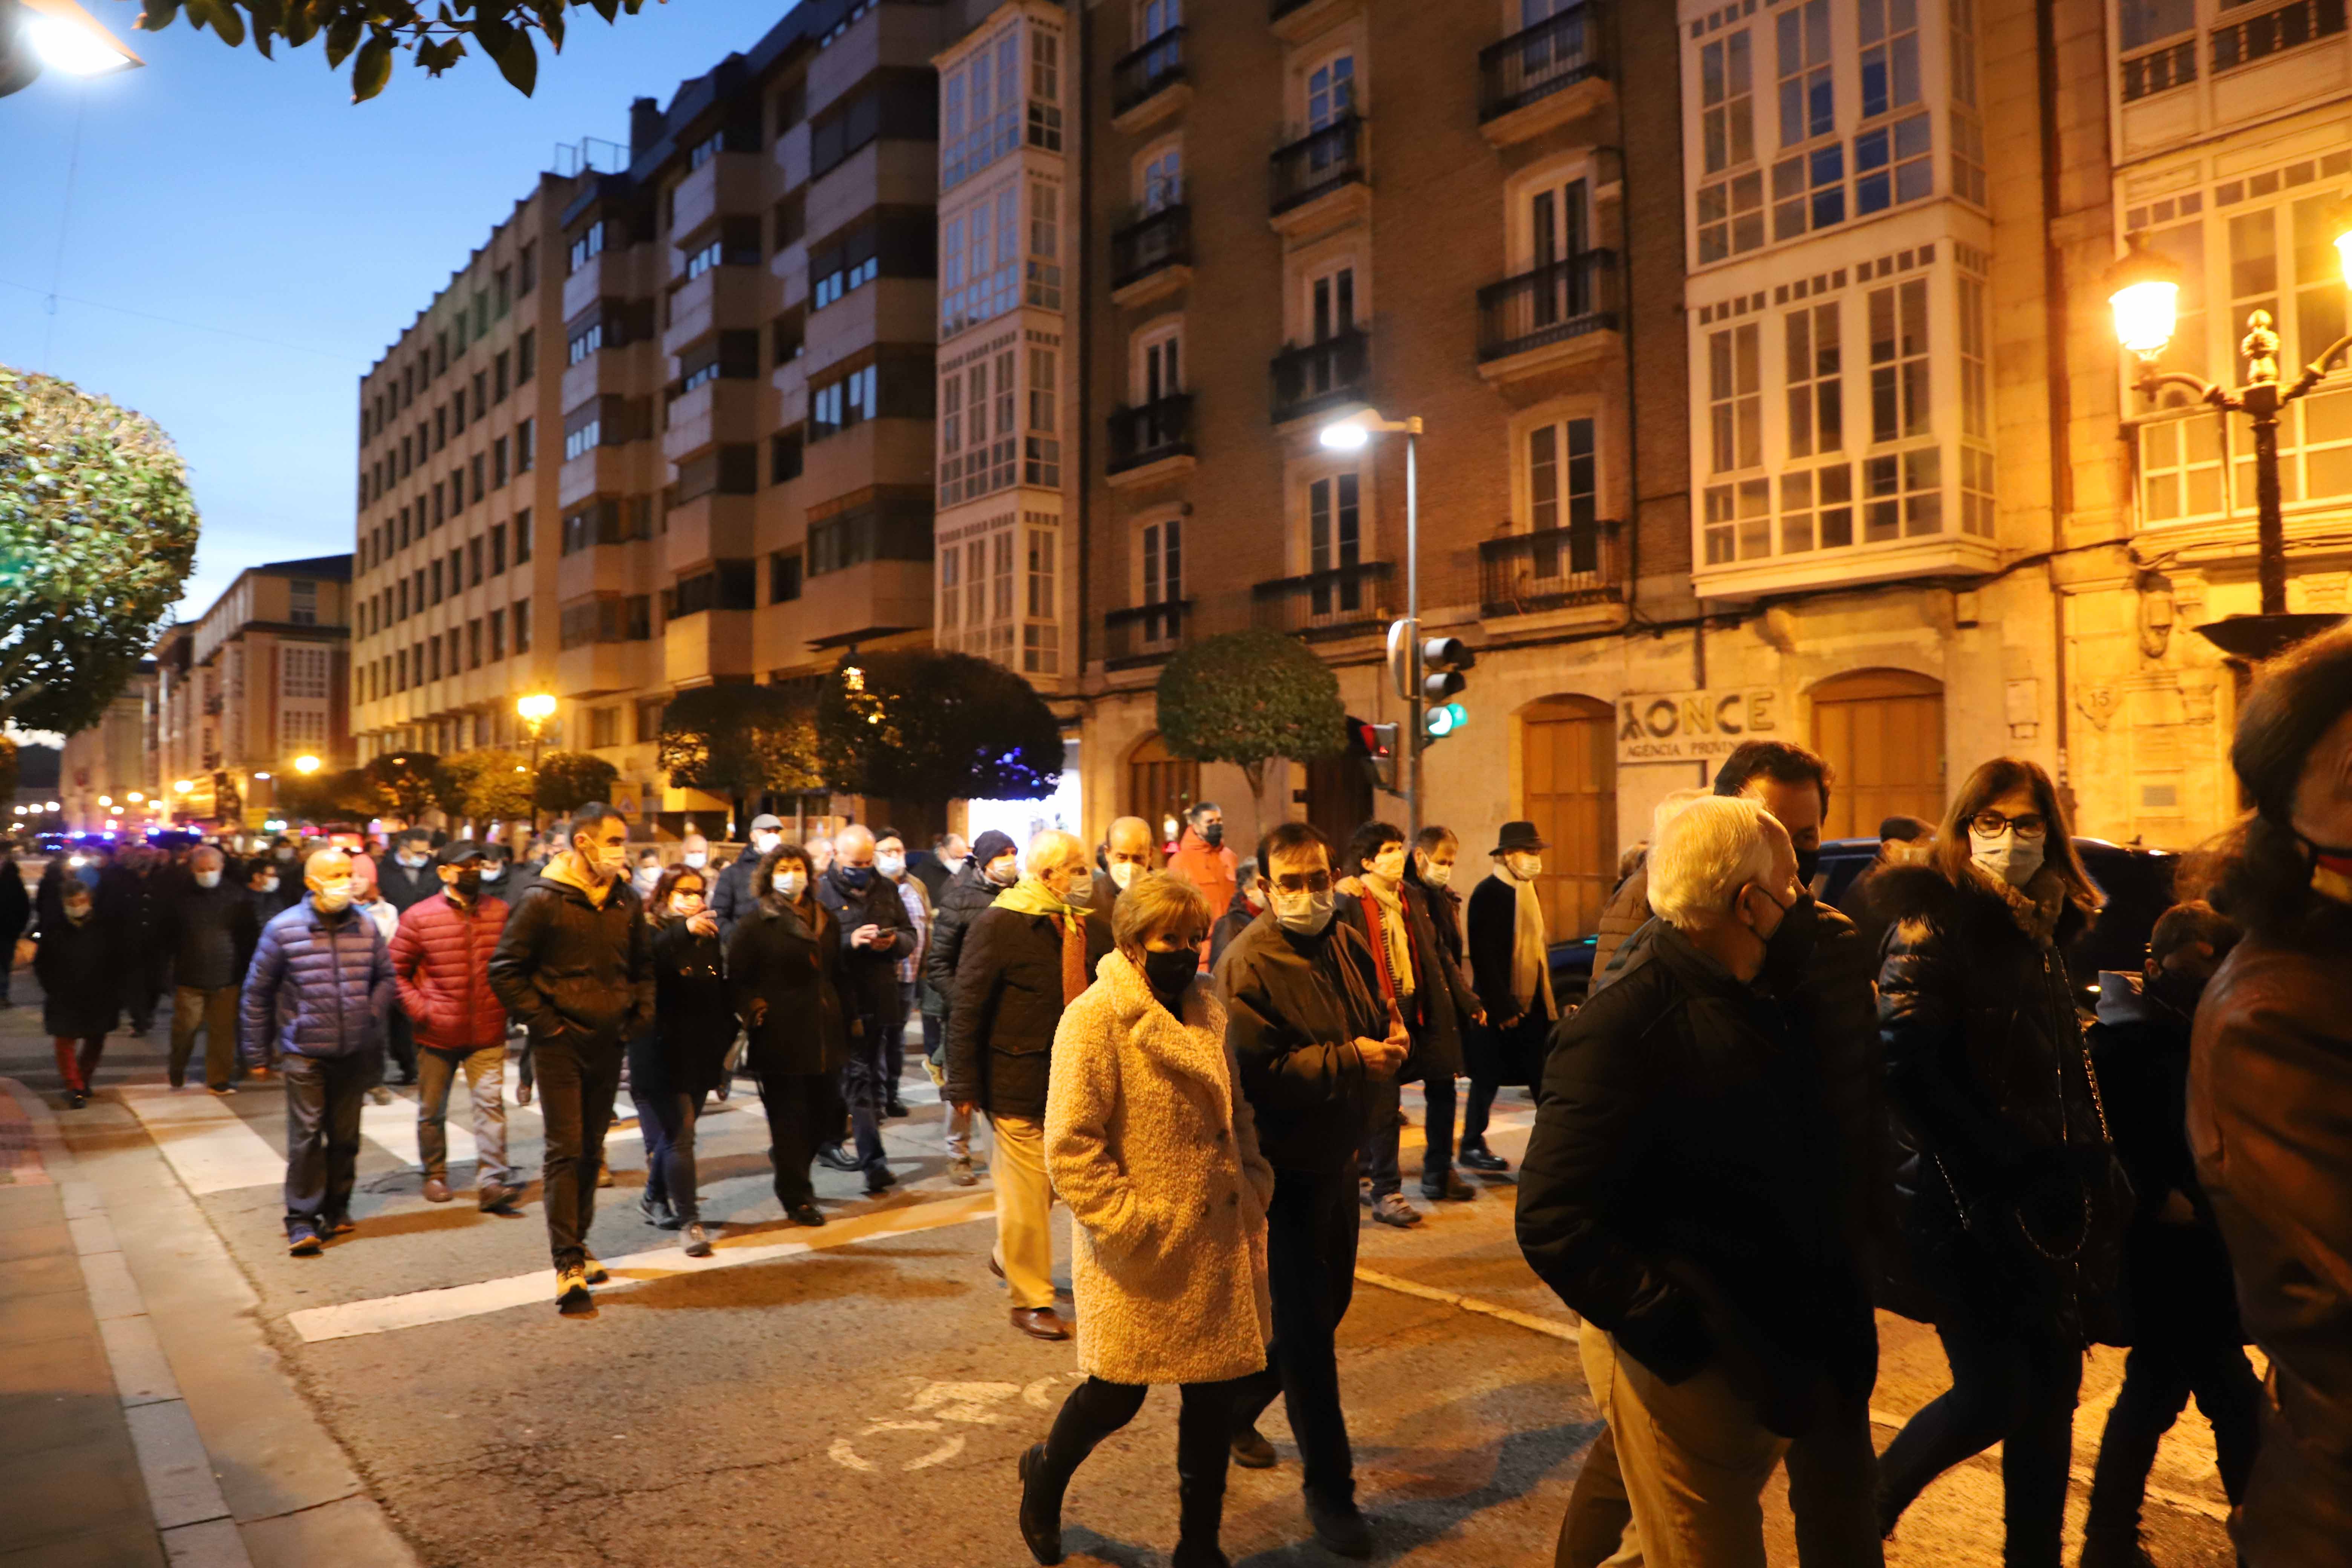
<point>97,531</point>
<point>740,742</point>
<point>489,785</point>
<point>921,728</point>
<point>568,780</point>
<point>413,783</point>
<point>349,796</point>
<point>1247,698</point>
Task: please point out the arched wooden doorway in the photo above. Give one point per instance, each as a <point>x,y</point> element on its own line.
<point>1568,749</point>
<point>1883,731</point>
<point>1160,788</point>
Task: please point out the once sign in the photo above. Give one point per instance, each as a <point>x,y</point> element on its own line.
<point>1694,726</point>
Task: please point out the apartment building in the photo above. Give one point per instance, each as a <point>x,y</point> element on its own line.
<point>1463,215</point>
<point>263,676</point>
<point>106,776</point>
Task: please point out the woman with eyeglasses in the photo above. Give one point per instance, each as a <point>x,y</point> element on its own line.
<point>2013,1220</point>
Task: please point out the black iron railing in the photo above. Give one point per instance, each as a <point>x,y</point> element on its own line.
<point>1156,240</point>
<point>1144,634</point>
<point>1523,572</point>
<point>1325,603</point>
<point>1321,375</point>
<point>1536,62</point>
<point>1276,10</point>
<point>1138,75</point>
<point>1150,431</point>
<point>1320,161</point>
<point>1561,300</point>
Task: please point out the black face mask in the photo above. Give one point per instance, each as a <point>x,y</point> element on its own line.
<point>1789,949</point>
<point>1213,834</point>
<point>1169,973</point>
<point>469,882</point>
<point>1807,862</point>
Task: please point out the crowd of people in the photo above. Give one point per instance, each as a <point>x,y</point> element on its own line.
<point>1768,1119</point>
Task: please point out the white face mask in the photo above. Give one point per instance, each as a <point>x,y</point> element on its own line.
<point>609,859</point>
<point>1388,867</point>
<point>1004,872</point>
<point>790,883</point>
<point>2012,859</point>
<point>695,858</point>
<point>1526,867</point>
<point>1305,913</point>
<point>334,897</point>
<point>411,861</point>
<point>1122,873</point>
<point>494,870</point>
<point>208,879</point>
<point>269,884</point>
<point>1437,873</point>
<point>764,841</point>
<point>1080,888</point>
<point>649,874</point>
<point>891,865</point>
<point>955,863</point>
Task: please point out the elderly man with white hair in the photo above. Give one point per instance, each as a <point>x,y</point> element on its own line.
<point>1683,1192</point>
<point>1023,960</point>
<point>876,935</point>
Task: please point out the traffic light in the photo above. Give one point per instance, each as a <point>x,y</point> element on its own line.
<point>1443,660</point>
<point>1375,746</point>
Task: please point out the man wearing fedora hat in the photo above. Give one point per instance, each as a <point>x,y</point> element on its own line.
<point>1510,968</point>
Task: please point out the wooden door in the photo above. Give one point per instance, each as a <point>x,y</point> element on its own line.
<point>1339,796</point>
<point>1883,733</point>
<point>1569,790</point>
<point>1162,787</point>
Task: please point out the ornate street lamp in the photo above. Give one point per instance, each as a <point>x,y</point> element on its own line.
<point>2144,290</point>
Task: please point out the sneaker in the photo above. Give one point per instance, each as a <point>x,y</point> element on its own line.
<point>698,1241</point>
<point>381,1095</point>
<point>303,1244</point>
<point>1394,1210</point>
<point>1340,1525</point>
<point>497,1198</point>
<point>572,1292</point>
<point>436,1190</point>
<point>1483,1158</point>
<point>219,1088</point>
<point>656,1210</point>
<point>593,1270</point>
<point>962,1173</point>
<point>1251,1451</point>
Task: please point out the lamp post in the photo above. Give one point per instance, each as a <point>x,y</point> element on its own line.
<point>536,709</point>
<point>1352,435</point>
<point>2144,290</point>
<point>58,36</point>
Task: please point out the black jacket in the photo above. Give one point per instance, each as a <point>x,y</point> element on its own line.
<point>1446,917</point>
<point>967,893</point>
<point>783,968</point>
<point>1680,1189</point>
<point>1231,924</point>
<point>1007,1005</point>
<point>694,1017</point>
<point>1294,1007</point>
<point>869,974</point>
<point>1442,1000</point>
<point>567,968</point>
<point>734,897</point>
<point>1988,1080</point>
<point>402,886</point>
<point>1491,1053</point>
<point>16,903</point>
<point>82,969</point>
<point>210,933</point>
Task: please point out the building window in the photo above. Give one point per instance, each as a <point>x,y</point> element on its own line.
<point>785,457</point>
<point>1901,492</point>
<point>980,260</point>
<point>474,645</point>
<point>586,342</point>
<point>302,672</point>
<point>474,564</point>
<point>1044,245</point>
<point>784,576</point>
<point>302,602</point>
<point>1159,368</point>
<point>1734,399</point>
<point>522,625</point>
<point>1968,129</point>
<point>1894,163</point>
<point>498,462</point>
<point>1816,393</point>
<point>1042,448</point>
<point>498,548</point>
<point>1731,208</point>
<point>526,358</point>
<point>497,635</point>
<point>981,109</point>
<point>703,259</point>
<point>1334,528</point>
<point>835,406</point>
<point>1045,88</point>
<point>879,531</point>
<point>1163,561</point>
<point>1161,179</point>
<point>605,725</point>
<point>589,245</point>
<point>523,445</point>
<point>704,151</point>
<point>1331,92</point>
<point>2286,27</point>
<point>522,536</point>
<point>1563,478</point>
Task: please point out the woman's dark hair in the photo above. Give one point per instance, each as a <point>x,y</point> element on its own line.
<point>766,871</point>
<point>657,906</point>
<point>1366,843</point>
<point>2259,873</point>
<point>1988,784</point>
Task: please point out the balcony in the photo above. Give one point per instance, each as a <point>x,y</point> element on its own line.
<point>1320,179</point>
<point>1329,603</point>
<point>1555,569</point>
<point>1543,76</point>
<point>1562,313</point>
<point>1144,634</point>
<point>1153,441</point>
<point>1294,21</point>
<point>1149,84</point>
<point>1321,376</point>
<point>1152,256</point>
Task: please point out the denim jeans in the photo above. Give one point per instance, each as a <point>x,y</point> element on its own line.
<point>577,1080</point>
<point>485,1070</point>
<point>667,1117</point>
<point>322,1137</point>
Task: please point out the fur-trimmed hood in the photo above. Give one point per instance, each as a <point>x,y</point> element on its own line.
<point>2041,909</point>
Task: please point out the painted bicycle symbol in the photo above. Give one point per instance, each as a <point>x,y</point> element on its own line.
<point>934,1411</point>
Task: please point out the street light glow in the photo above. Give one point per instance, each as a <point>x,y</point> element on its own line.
<point>136,797</point>
<point>106,800</point>
<point>68,39</point>
<point>1345,436</point>
<point>306,765</point>
<point>2144,290</point>
<point>180,786</point>
<point>261,775</point>
<point>537,708</point>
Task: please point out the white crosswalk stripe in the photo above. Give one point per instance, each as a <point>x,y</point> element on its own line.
<point>209,1147</point>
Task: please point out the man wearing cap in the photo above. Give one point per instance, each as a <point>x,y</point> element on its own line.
<point>734,899</point>
<point>1510,968</point>
<point>441,963</point>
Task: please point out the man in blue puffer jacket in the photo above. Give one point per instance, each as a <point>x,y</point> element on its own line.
<point>319,988</point>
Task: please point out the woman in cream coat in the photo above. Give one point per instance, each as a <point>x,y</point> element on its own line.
<point>1151,1144</point>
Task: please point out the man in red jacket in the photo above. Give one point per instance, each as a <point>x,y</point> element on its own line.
<point>441,960</point>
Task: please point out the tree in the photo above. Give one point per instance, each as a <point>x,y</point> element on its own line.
<point>413,783</point>
<point>349,796</point>
<point>925,728</point>
<point>8,768</point>
<point>97,531</point>
<point>571,779</point>
<point>489,784</point>
<point>375,29</point>
<point>1247,697</point>
<point>740,741</point>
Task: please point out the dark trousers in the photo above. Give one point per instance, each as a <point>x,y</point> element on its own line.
<point>1438,1158</point>
<point>2159,1379</point>
<point>667,1117</point>
<point>1204,1428</point>
<point>867,1085</point>
<point>1310,1242</point>
<point>215,1011</point>
<point>1476,1106</point>
<point>2011,1384</point>
<point>78,1058</point>
<point>322,1137</point>
<point>396,1060</point>
<point>577,1080</point>
<point>803,1110</point>
<point>935,1037</point>
<point>1383,1098</point>
<point>150,975</point>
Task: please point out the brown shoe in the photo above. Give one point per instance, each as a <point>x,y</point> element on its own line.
<point>1040,1322</point>
<point>436,1190</point>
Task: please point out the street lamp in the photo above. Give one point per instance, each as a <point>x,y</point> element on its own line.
<point>1352,435</point>
<point>536,709</point>
<point>55,35</point>
<point>181,786</point>
<point>2144,290</point>
<point>306,765</point>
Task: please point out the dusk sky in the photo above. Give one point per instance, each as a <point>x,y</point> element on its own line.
<point>242,242</point>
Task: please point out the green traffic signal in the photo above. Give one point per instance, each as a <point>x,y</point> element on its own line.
<point>1442,721</point>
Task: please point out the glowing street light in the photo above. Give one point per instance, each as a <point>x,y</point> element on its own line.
<point>136,797</point>
<point>181,786</point>
<point>536,709</point>
<point>306,765</point>
<point>106,800</point>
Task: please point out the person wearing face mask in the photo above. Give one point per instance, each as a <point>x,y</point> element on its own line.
<point>1510,968</point>
<point>319,988</point>
<point>1023,960</point>
<point>1201,858</point>
<point>1680,1192</point>
<point>821,852</point>
<point>2012,1232</point>
<point>1248,902</point>
<point>2270,1094</point>
<point>2185,1334</point>
<point>1150,1140</point>
<point>575,966</point>
<point>647,875</point>
<point>992,867</point>
<point>1433,998</point>
<point>407,877</point>
<point>737,890</point>
<point>876,933</point>
<point>77,957</point>
<point>890,865</point>
<point>785,982</point>
<point>949,852</point>
<point>207,927</point>
<point>678,1056</point>
<point>694,853</point>
<point>441,964</point>
<point>266,888</point>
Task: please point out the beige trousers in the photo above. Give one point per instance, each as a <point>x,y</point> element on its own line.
<point>1025,1202</point>
<point>1694,1460</point>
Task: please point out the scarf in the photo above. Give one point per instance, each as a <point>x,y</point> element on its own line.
<point>1031,896</point>
<point>1392,944</point>
<point>2036,907</point>
<point>1530,955</point>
